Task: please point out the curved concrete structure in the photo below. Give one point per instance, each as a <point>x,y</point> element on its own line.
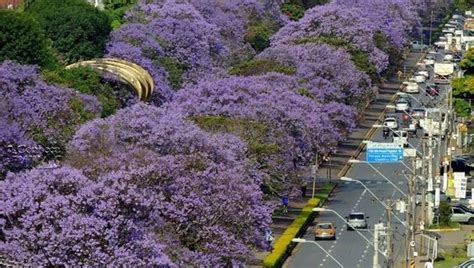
<point>125,71</point>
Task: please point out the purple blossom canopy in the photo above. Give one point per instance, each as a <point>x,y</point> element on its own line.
<point>299,126</point>
<point>38,113</point>
<point>349,24</point>
<point>57,216</point>
<point>328,73</point>
<point>211,206</point>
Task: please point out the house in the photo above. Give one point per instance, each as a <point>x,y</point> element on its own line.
<point>9,3</point>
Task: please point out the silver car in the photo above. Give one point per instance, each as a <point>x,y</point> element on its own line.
<point>357,220</point>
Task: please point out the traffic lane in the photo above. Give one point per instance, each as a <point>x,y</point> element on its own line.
<point>308,255</point>
<point>349,247</point>
<point>354,250</point>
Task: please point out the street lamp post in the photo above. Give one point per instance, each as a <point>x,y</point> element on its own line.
<point>301,240</point>
<point>354,161</point>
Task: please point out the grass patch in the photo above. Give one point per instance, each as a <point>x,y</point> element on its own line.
<point>449,226</point>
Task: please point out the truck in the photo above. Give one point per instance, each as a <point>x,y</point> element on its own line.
<point>443,72</point>
<point>434,127</point>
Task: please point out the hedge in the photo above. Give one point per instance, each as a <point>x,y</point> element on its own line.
<point>282,244</point>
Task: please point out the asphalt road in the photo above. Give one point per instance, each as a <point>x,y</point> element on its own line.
<point>350,248</point>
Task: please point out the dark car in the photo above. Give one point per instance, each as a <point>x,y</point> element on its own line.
<point>432,90</point>
<point>460,165</point>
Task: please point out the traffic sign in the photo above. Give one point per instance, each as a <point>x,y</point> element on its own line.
<point>378,152</point>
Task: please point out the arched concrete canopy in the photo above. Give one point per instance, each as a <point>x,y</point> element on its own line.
<point>125,71</point>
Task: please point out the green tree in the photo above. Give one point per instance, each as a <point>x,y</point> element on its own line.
<point>77,30</point>
<point>462,107</point>
<point>23,40</point>
<point>467,63</point>
<point>444,213</point>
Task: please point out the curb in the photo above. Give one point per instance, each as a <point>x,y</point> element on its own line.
<point>445,230</point>
<point>372,130</point>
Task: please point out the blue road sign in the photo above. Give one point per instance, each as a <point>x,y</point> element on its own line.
<point>384,153</point>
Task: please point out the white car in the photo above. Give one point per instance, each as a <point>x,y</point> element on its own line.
<point>419,78</point>
<point>448,57</point>
<point>424,73</point>
<point>428,61</point>
<point>440,44</point>
<point>402,105</point>
<point>391,122</point>
<point>411,87</point>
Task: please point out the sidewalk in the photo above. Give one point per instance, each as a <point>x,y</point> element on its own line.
<point>348,149</point>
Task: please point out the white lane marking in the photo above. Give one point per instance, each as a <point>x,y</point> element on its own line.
<point>324,259</point>
<point>330,250</point>
<point>363,193</point>
<point>321,264</point>
<point>339,233</point>
<point>333,245</point>
<point>400,182</point>
<point>379,182</point>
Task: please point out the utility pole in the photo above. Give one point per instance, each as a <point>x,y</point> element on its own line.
<point>389,233</point>
<point>410,214</point>
<point>423,185</point>
<point>430,170</point>
<point>431,25</point>
<point>314,171</point>
<point>378,227</point>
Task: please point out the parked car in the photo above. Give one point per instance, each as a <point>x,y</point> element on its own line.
<point>356,220</point>
<point>462,216</point>
<point>325,230</point>
<point>467,158</point>
<point>418,113</point>
<point>417,45</point>
<point>419,78</point>
<point>432,90</point>
<point>411,87</point>
<point>391,122</point>
<point>448,57</point>
<point>402,104</point>
<point>440,44</point>
<point>462,165</point>
<point>425,73</point>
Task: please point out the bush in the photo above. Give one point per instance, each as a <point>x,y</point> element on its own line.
<point>292,10</point>
<point>22,40</point>
<point>116,9</point>
<point>87,81</point>
<point>444,213</point>
<point>275,258</point>
<point>258,36</point>
<point>175,71</point>
<point>260,67</point>
<point>77,30</point>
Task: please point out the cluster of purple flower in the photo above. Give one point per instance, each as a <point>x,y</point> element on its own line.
<point>37,119</point>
